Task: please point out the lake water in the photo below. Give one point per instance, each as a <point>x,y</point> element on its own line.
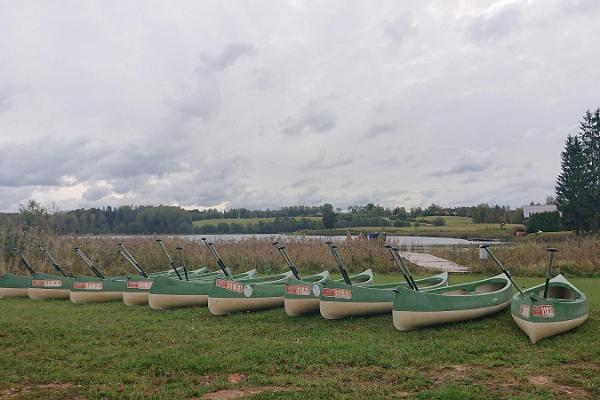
<point>408,241</point>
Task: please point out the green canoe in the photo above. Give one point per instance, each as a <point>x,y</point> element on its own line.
<point>302,296</point>
<point>416,309</point>
<point>12,285</point>
<point>340,300</point>
<point>228,296</point>
<point>49,286</point>
<point>169,293</point>
<point>87,289</point>
<point>565,308</point>
<point>137,288</point>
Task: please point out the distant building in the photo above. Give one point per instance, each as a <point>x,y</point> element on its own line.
<point>530,210</point>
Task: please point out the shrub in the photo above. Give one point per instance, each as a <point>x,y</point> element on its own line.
<point>439,221</point>
<point>546,222</point>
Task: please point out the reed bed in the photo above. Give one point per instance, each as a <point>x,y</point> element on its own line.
<point>307,254</point>
<point>577,256</point>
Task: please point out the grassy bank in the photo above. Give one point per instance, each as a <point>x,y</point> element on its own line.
<point>56,350</point>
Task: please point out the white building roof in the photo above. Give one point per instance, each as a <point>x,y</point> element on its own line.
<point>528,210</point>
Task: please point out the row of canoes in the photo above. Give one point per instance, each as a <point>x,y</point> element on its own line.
<point>545,310</point>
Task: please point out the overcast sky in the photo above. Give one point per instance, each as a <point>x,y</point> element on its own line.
<point>265,104</point>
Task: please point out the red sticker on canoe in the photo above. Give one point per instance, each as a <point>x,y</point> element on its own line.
<point>46,283</point>
<point>142,285</point>
<point>545,311</point>
<point>87,285</point>
<point>298,290</point>
<point>230,285</point>
<point>337,293</point>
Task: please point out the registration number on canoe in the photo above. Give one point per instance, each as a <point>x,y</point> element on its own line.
<point>545,311</point>
<point>230,285</point>
<point>337,293</point>
<point>524,310</point>
<point>87,285</point>
<point>142,285</point>
<point>298,290</point>
<point>46,283</point>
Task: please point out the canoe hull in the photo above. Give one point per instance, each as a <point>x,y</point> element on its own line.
<point>338,310</point>
<point>408,320</point>
<point>12,285</point>
<point>298,307</point>
<point>135,298</point>
<point>95,297</point>
<point>13,292</point>
<point>537,331</point>
<point>225,306</point>
<point>158,301</point>
<point>48,294</point>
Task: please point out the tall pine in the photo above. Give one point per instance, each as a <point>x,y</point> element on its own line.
<point>572,188</point>
<point>590,141</point>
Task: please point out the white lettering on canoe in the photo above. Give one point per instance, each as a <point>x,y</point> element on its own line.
<point>142,285</point>
<point>88,285</point>
<point>298,290</point>
<point>545,311</point>
<point>524,310</point>
<point>230,285</point>
<point>337,293</point>
<point>46,283</point>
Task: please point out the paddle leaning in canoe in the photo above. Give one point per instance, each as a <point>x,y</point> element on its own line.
<point>414,308</point>
<point>302,294</point>
<point>13,285</point>
<point>167,292</point>
<point>550,308</point>
<point>50,286</point>
<point>88,289</point>
<point>348,298</point>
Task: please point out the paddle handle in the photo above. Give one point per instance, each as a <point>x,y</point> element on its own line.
<point>183,264</point>
<point>217,258</point>
<point>340,263</point>
<point>24,261</point>
<point>54,263</point>
<point>88,262</point>
<point>288,260</point>
<point>551,252</point>
<point>159,241</point>
<point>400,262</point>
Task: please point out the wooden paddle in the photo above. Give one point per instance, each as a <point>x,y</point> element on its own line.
<point>400,262</point>
<point>159,241</point>
<point>185,272</point>
<point>340,264</point>
<point>287,259</point>
<point>487,248</point>
<point>551,251</point>
<point>88,262</point>
<point>217,257</point>
<point>131,259</point>
<point>24,261</point>
<point>54,263</point>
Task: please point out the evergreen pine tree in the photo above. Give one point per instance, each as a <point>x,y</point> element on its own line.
<point>590,142</point>
<point>572,188</point>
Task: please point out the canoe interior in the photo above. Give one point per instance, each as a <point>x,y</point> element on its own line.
<point>472,288</point>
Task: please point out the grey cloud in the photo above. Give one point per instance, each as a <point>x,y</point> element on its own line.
<point>96,193</point>
<point>381,129</point>
<point>231,53</point>
<point>579,6</point>
<point>316,118</point>
<point>324,162</point>
<point>400,28</point>
<point>495,26</point>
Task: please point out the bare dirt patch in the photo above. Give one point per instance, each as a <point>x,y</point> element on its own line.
<point>25,389</point>
<point>232,394</point>
<point>547,383</point>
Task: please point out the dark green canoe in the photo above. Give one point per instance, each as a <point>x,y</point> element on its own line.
<point>228,296</point>
<point>87,289</point>
<point>416,309</point>
<point>565,308</point>
<point>302,296</point>
<point>12,285</point>
<point>340,300</point>
<point>49,286</point>
<point>169,293</point>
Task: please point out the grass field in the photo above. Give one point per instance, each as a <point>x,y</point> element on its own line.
<point>55,350</point>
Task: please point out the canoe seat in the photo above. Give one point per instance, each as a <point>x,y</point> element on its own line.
<point>559,292</point>
<point>490,287</point>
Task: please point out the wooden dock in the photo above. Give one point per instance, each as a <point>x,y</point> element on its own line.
<point>432,262</point>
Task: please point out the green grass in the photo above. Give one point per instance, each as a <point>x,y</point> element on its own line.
<point>52,350</point>
<point>244,221</point>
